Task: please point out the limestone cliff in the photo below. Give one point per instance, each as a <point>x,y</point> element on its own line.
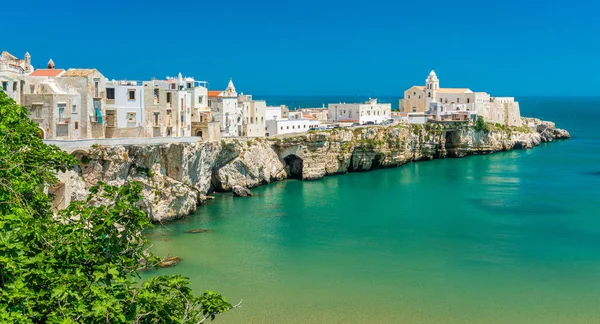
<point>178,176</point>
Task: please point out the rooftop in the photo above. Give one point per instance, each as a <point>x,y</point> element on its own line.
<point>46,72</point>
<point>78,72</point>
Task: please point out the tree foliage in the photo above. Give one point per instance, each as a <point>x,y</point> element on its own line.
<point>481,125</point>
<point>79,265</point>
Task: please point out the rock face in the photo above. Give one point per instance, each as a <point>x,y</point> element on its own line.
<point>177,177</point>
<point>240,191</point>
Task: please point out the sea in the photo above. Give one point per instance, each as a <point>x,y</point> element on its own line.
<point>511,237</point>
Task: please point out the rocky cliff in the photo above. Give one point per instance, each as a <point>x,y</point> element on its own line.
<point>177,177</point>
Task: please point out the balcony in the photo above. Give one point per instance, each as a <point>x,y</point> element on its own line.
<point>64,120</point>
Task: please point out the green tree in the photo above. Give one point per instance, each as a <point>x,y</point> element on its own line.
<point>82,264</point>
<point>481,125</point>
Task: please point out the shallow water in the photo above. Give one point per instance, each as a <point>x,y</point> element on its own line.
<point>512,237</point>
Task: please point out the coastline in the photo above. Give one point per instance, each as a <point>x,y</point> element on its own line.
<point>177,177</point>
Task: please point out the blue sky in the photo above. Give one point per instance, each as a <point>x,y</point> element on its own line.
<point>314,47</point>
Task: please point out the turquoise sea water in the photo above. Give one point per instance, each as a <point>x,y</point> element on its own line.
<point>512,237</point>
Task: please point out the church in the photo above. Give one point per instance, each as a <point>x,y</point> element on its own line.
<point>458,104</point>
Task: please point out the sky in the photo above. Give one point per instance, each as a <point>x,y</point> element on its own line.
<point>310,47</point>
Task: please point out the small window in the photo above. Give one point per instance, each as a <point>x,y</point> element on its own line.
<point>156,93</point>
<point>32,88</point>
<point>110,93</point>
<point>199,99</point>
<point>74,109</point>
<point>281,127</point>
<point>169,94</point>
<point>15,86</point>
<point>76,125</point>
<point>37,111</point>
<point>288,127</point>
<point>189,85</point>
<point>4,85</point>
<point>172,86</point>
<point>131,94</point>
<point>130,118</point>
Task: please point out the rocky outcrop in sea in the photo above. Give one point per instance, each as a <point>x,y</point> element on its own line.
<point>177,177</point>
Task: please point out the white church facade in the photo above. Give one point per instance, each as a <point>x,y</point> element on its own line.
<point>459,103</point>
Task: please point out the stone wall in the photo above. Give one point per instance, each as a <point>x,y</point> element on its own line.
<point>178,176</point>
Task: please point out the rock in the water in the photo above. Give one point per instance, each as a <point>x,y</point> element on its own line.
<point>240,191</point>
<point>169,262</point>
<point>198,230</point>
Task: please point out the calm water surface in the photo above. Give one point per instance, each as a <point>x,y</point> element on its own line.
<point>511,237</point>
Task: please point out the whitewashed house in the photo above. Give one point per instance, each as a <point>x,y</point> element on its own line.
<point>369,111</point>
<point>125,109</point>
<point>224,109</point>
<point>289,126</point>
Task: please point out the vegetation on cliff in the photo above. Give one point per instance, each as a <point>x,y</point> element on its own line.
<point>80,265</point>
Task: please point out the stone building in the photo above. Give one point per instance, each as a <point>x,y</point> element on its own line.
<point>459,103</point>
<point>224,110</point>
<point>370,111</point>
<point>13,72</point>
<point>253,114</point>
<point>65,104</point>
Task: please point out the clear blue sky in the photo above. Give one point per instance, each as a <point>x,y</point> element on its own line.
<point>321,47</point>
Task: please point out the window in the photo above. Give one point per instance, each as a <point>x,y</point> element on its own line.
<point>457,100</point>
<point>61,111</point>
<point>189,85</point>
<point>281,127</point>
<point>156,114</point>
<point>96,87</point>
<point>408,96</point>
<point>468,100</point>
<point>429,94</point>
<point>37,111</point>
<point>130,118</point>
<point>110,93</point>
<point>131,94</point>
<point>172,86</point>
<point>4,85</point>
<point>168,132</point>
<point>288,127</point>
<point>199,99</point>
<point>15,86</point>
<point>32,88</point>
<point>304,126</point>
<point>74,109</point>
<point>414,93</point>
<point>169,97</point>
<point>76,125</point>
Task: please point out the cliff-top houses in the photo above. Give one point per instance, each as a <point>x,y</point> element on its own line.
<point>431,102</point>
<point>74,104</point>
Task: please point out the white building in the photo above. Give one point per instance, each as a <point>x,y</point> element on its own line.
<point>224,109</point>
<point>459,103</point>
<point>273,112</point>
<point>12,75</point>
<point>125,105</point>
<point>253,116</point>
<point>370,111</point>
<point>279,127</point>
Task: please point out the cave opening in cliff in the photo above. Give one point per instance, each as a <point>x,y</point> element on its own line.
<point>377,161</point>
<point>294,166</point>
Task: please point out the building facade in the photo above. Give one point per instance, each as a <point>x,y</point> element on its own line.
<point>125,109</point>
<point>224,110</point>
<point>253,114</point>
<point>13,72</point>
<point>289,126</point>
<point>459,103</point>
<point>370,111</point>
